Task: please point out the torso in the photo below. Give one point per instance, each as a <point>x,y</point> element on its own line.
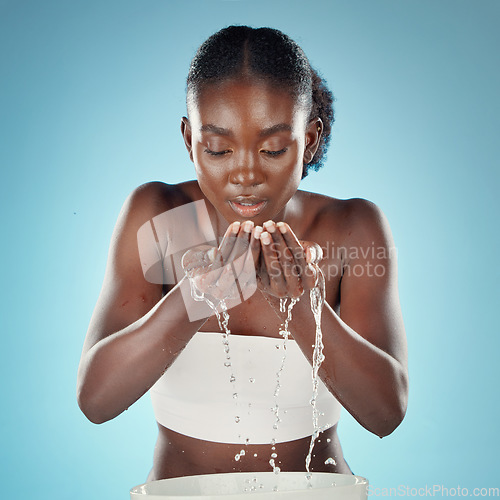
<point>312,217</point>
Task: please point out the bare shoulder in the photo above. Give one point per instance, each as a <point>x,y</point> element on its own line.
<point>152,198</point>
<point>366,224</point>
<point>354,221</point>
<point>128,292</point>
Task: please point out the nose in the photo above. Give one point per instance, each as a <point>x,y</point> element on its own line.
<point>247,172</point>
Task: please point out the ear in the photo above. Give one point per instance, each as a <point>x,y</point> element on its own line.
<point>314,131</point>
<point>187,136</point>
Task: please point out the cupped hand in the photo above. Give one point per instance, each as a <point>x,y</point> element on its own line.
<point>287,266</point>
<point>222,273</point>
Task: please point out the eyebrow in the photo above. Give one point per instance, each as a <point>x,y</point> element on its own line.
<point>214,129</point>
<point>280,127</point>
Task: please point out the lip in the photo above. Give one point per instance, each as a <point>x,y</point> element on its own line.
<point>247,206</point>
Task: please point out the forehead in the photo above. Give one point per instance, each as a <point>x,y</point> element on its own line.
<point>237,103</point>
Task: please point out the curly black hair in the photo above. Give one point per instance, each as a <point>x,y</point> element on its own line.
<point>272,56</point>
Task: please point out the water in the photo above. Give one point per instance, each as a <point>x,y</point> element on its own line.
<point>285,333</point>
<point>317,299</point>
<point>223,320</point>
<point>317,296</point>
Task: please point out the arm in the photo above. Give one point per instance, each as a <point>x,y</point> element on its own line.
<point>134,333</point>
<point>367,343</point>
<point>365,363</point>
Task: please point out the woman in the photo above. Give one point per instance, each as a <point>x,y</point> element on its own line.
<point>259,118</point>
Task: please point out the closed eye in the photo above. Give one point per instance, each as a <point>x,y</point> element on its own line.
<point>217,153</point>
<point>275,153</point>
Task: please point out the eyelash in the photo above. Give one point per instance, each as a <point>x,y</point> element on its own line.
<point>216,153</point>
<point>220,153</point>
<point>276,153</point>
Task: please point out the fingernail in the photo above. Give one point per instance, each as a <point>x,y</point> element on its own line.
<point>281,226</point>
<point>265,238</point>
<point>270,226</point>
<point>235,227</point>
<point>211,254</point>
<point>247,226</point>
<point>257,232</point>
<point>312,254</point>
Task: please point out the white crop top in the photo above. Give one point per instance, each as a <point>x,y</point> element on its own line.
<point>196,397</point>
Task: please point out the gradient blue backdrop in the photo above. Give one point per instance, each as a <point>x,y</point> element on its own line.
<point>91,98</point>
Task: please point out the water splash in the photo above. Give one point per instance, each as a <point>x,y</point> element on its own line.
<point>317,296</point>
<point>285,333</point>
<point>317,299</point>
<point>276,469</point>
<point>223,321</point>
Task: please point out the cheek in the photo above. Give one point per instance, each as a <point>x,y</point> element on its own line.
<point>210,178</point>
<point>291,172</point>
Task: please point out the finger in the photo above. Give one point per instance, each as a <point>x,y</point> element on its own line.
<point>255,244</point>
<point>273,266</point>
<point>226,246</point>
<point>241,243</point>
<point>206,266</point>
<point>228,241</point>
<point>286,259</point>
<point>262,274</point>
<point>251,260</point>
<point>311,275</point>
<point>314,253</point>
<point>243,259</point>
<point>295,247</point>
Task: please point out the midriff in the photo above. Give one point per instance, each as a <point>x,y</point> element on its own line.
<point>177,455</point>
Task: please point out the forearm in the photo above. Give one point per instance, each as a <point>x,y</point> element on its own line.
<point>369,383</point>
<point>120,368</point>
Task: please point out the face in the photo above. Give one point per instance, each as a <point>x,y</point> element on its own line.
<point>248,142</point>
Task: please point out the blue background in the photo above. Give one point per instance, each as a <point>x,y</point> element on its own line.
<point>91,99</point>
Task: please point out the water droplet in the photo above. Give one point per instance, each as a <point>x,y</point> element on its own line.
<point>227,364</point>
<point>328,440</point>
<point>276,470</point>
<point>330,461</point>
<point>251,380</point>
<point>232,379</point>
<point>235,395</point>
<point>236,419</point>
<point>274,455</point>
